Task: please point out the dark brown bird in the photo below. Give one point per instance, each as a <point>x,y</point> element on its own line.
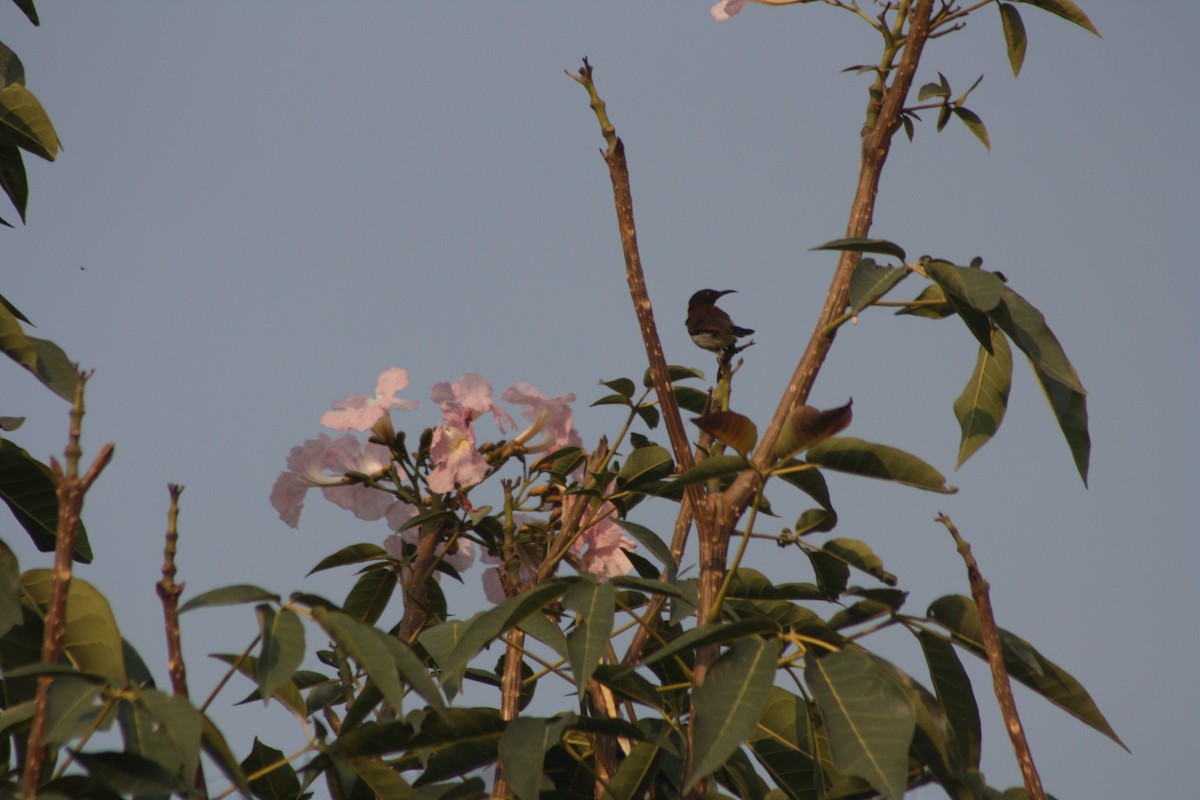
<point>709,326</point>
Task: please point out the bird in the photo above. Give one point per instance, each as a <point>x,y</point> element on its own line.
<point>710,327</point>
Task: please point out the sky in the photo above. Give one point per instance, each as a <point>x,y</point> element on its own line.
<point>260,207</point>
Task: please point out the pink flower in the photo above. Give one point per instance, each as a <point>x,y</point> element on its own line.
<point>603,538</point>
<point>550,418</point>
<point>458,463</point>
<point>473,393</point>
<point>726,9</point>
<point>360,413</point>
<point>322,463</point>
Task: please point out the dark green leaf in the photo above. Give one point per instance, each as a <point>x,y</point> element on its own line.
<point>368,647</point>
<point>714,633</point>
<point>815,520</point>
<point>281,783</point>
<point>70,708</point>
<point>628,683</point>
<point>713,467</point>
<point>807,479</point>
<point>869,719</point>
<point>522,752</point>
<point>674,373</point>
<point>129,774</point>
<point>870,281</point>
<point>613,400</point>
<point>1025,664</point>
<point>974,125</point>
<point>858,457</point>
<point>10,589</point>
<point>622,386</point>
<point>832,573</point>
<point>27,488</point>
<point>229,596</point>
<point>979,288</point>
<point>214,744</point>
<point>54,369</point>
<point>1027,328</point>
<point>489,625</point>
<point>651,541</point>
<point>1014,36</point>
<point>981,406</point>
<point>931,303</point>
<point>860,556</point>
<point>593,604</point>
<point>354,554</point>
<point>12,177</point>
<point>690,399</point>
<point>931,90</point>
<point>27,9</point>
<point>860,245</point>
<point>782,744</point>
<point>954,691</point>
<point>644,465</point>
<point>1065,9</point>
<point>383,780</point>
<point>369,597</point>
<point>636,772</point>
<point>1070,409</point>
<point>282,636</point>
<point>729,702</point>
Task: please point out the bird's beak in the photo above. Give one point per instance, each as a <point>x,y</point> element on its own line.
<point>726,291</point>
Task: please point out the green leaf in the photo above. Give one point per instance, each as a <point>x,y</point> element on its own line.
<point>1014,36</point>
<point>489,625</point>
<point>713,467</point>
<point>282,635</point>
<point>383,780</point>
<point>1070,409</point>
<point>832,572</point>
<point>729,702</point>
<point>929,90</point>
<point>730,428</point>
<point>1024,663</point>
<point>1027,328</point>
<point>177,725</point>
<point>413,670</point>
<point>691,399</point>
<point>711,634</point>
<point>12,177</point>
<point>27,488</point>
<point>129,774</point>
<point>954,691</point>
<point>869,719</point>
<point>281,783</point>
<point>674,373</point>
<point>367,646</point>
<point>54,369</point>
<point>593,604</point>
<point>652,542</point>
<point>931,303</point>
<point>859,457</point>
<point>288,694</point>
<point>92,641</point>
<point>622,386</point>
<point>229,596</point>
<point>870,281</point>
<point>980,288</point>
<point>974,125</point>
<point>981,406</point>
<point>10,589</point>
<point>1065,9</point>
<point>781,744</point>
<point>628,683</point>
<point>27,9</point>
<point>860,245</point>
<point>371,593</point>
<point>70,708</point>
<point>860,556</point>
<point>11,68</point>
<point>354,554</point>
<point>636,772</point>
<point>522,753</point>
<point>23,122</point>
<point>13,341</point>
<point>214,744</point>
<point>645,465</point>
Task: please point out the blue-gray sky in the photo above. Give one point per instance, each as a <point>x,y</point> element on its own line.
<point>273,202</point>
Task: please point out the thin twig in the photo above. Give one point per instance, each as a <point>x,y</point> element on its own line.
<point>70,490</point>
<point>1000,680</point>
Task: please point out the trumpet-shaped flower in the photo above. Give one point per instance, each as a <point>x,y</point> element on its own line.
<point>457,463</point>
<point>727,8</point>
<point>600,545</point>
<point>322,463</point>
<point>359,413</point>
<point>550,418</point>
<point>472,393</point>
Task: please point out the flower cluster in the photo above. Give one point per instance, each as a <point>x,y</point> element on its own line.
<point>381,479</point>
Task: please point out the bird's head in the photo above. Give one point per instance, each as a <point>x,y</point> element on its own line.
<point>707,296</point>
